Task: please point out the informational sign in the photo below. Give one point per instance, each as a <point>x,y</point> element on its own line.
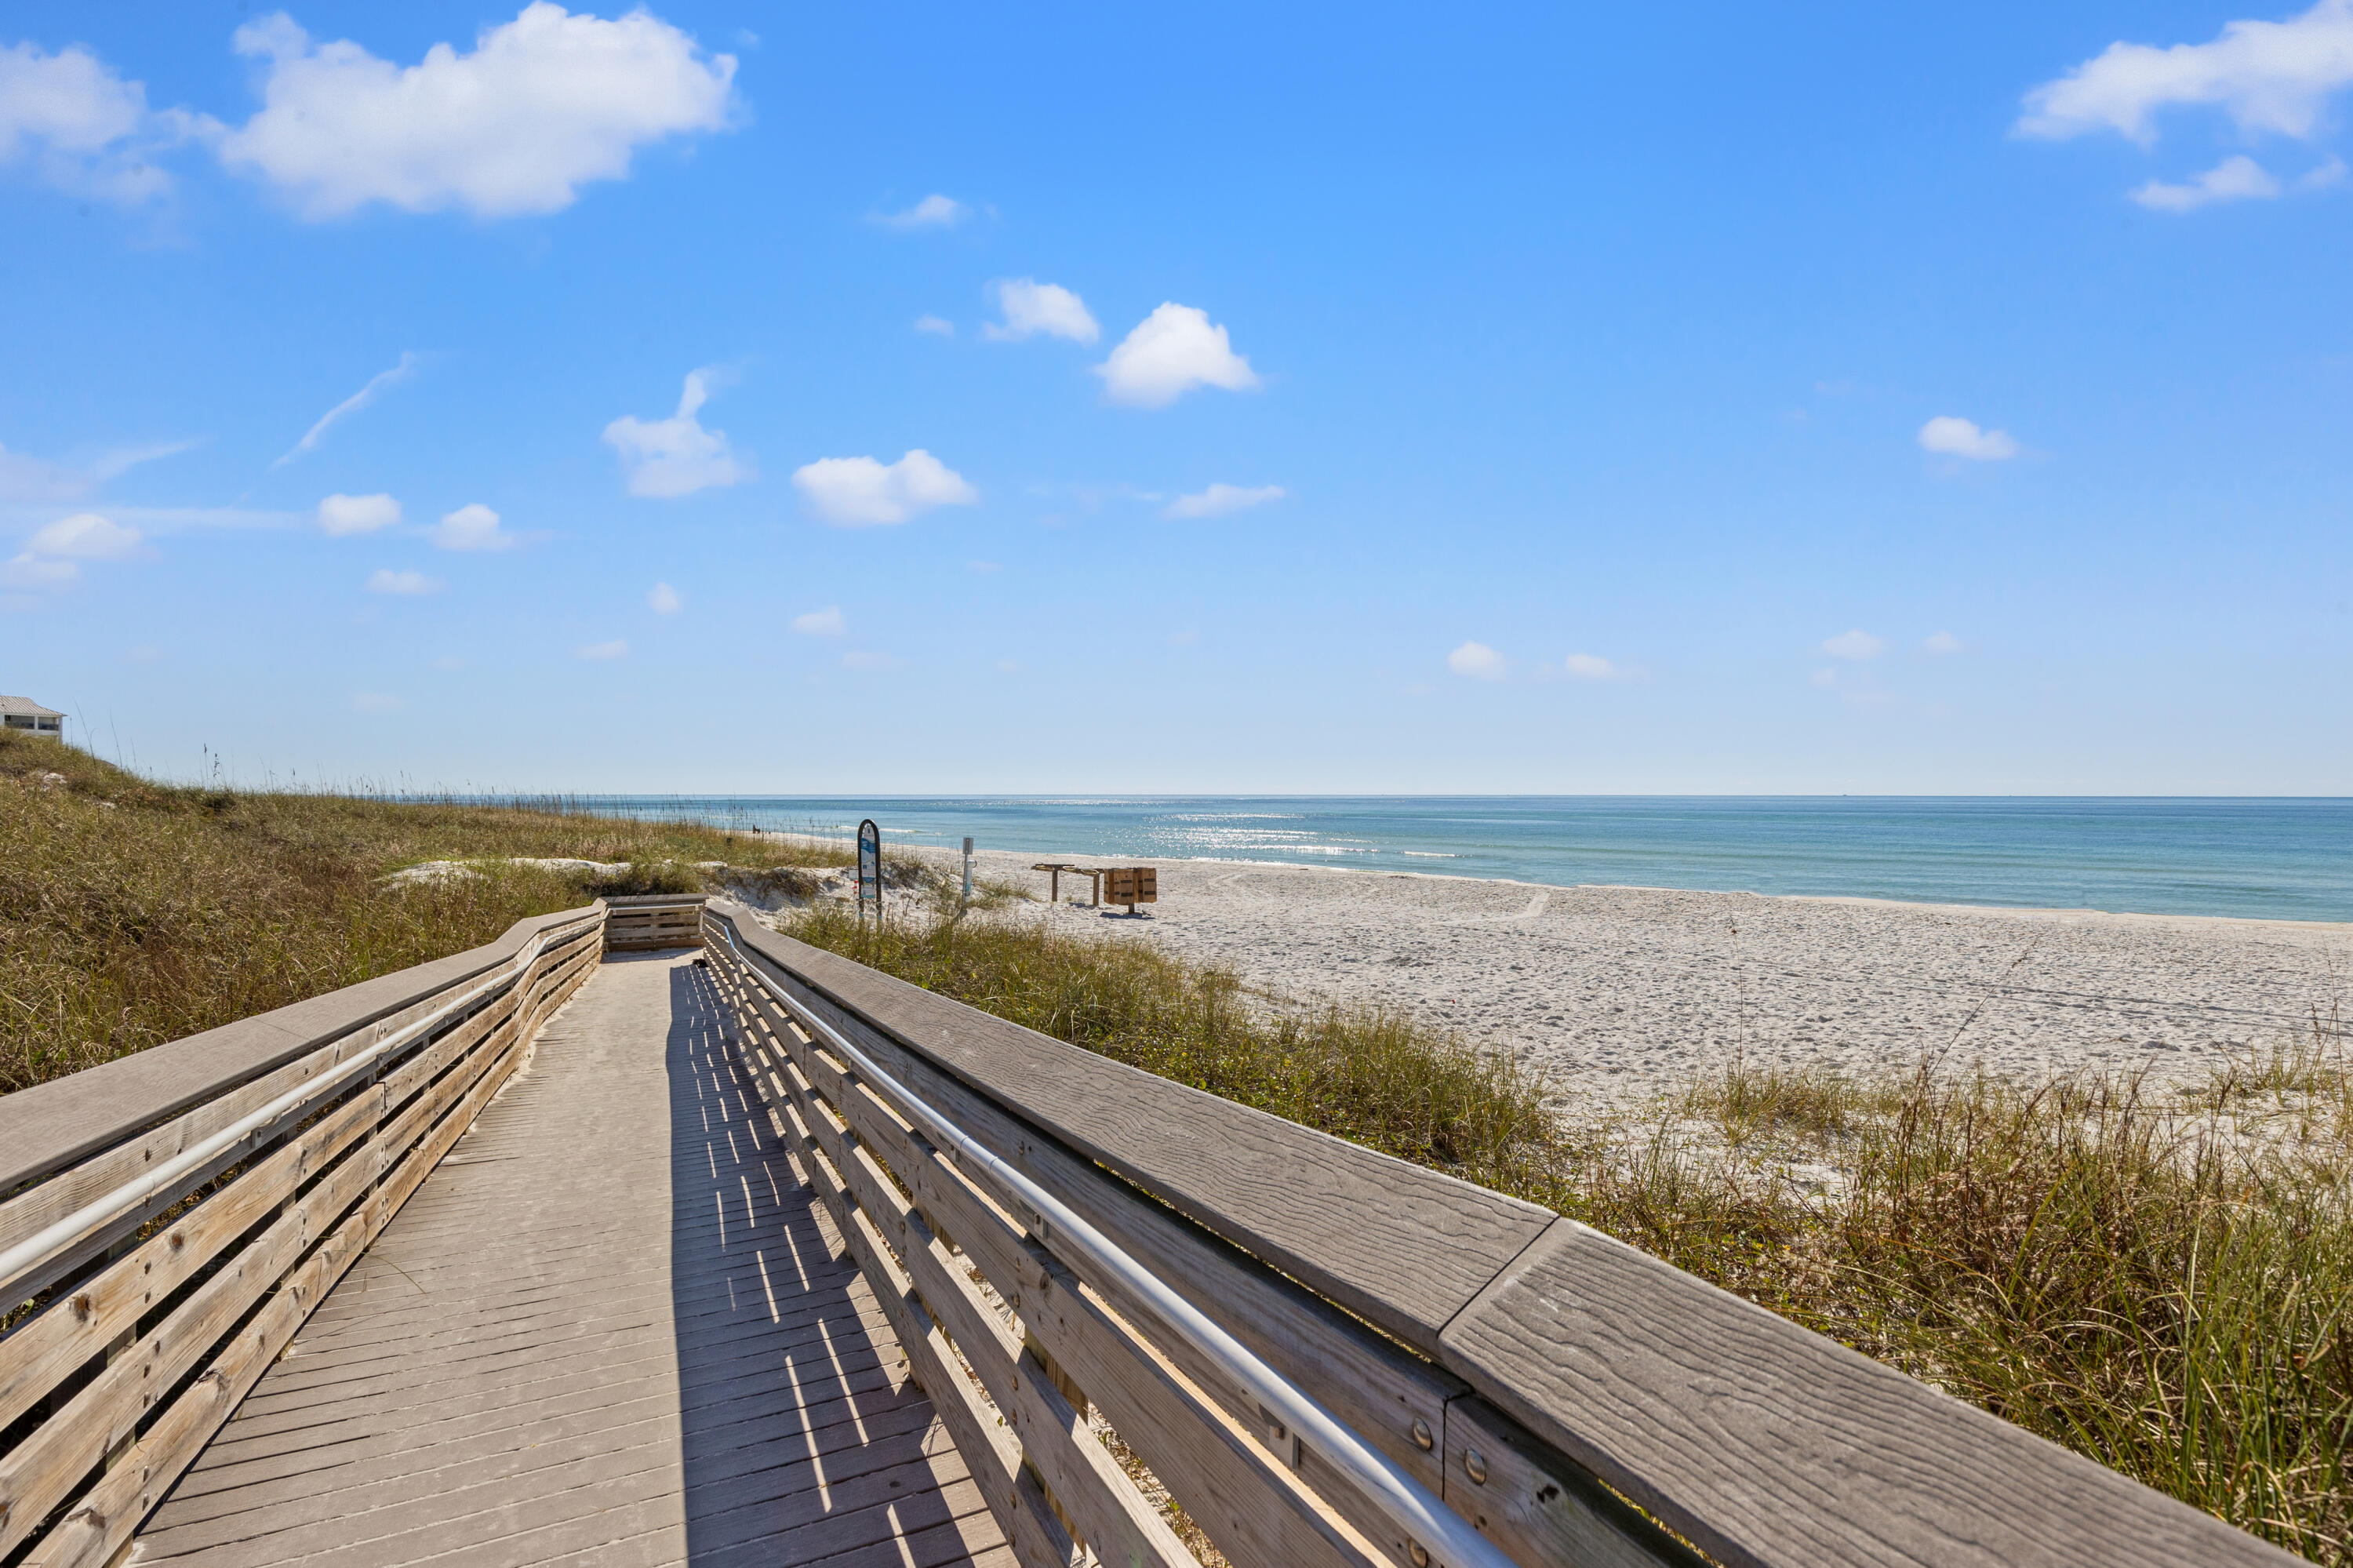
<point>870,867</point>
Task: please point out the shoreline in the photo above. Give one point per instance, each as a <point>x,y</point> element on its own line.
<point>2025,911</point>
<point>1623,991</point>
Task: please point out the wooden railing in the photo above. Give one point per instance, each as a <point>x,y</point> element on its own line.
<point>1573,1400</point>
<point>169,1220</point>
<point>1325,1356</point>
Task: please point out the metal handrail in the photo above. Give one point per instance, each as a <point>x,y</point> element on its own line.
<point>1430,1526</point>
<point>62,1235</point>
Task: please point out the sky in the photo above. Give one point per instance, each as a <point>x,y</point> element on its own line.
<point>926,400</point>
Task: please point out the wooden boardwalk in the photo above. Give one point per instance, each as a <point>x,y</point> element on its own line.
<point>597,1333</point>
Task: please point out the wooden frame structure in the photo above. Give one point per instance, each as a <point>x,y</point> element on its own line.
<point>168,1220</point>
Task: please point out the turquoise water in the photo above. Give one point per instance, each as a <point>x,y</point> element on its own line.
<point>2279,859</point>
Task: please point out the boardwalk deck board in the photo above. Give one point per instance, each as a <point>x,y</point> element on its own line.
<point>594,1334</point>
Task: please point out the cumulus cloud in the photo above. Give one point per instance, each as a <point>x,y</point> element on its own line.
<point>2238,178</point>
<point>84,536</point>
<point>1479,662</point>
<point>826,622</point>
<point>665,600</point>
<point>1942,643</point>
<point>30,571</point>
<point>934,211</point>
<point>1592,667</point>
<point>1030,308</point>
<point>471,528</point>
<point>856,492</point>
<point>80,127</point>
<point>345,514</point>
<point>1855,645</point>
<point>937,326</point>
<point>538,107</point>
<point>386,580</point>
<point>1961,438</point>
<point>1171,351</point>
<point>1219,499</point>
<point>616,648</point>
<point>676,456</point>
<point>2268,77</point>
<point>350,405</point>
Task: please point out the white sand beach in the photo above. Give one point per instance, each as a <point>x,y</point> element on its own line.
<point>1626,991</point>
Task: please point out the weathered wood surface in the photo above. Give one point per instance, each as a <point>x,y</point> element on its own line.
<point>611,1329</point>
<point>1402,1247</point>
<point>50,1126</point>
<point>1763,1443</point>
<point>1766,1444</point>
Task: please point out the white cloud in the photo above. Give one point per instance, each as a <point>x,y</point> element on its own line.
<point>29,570</point>
<point>665,600</point>
<point>616,648</point>
<point>1942,643</point>
<point>938,326</point>
<point>375,703</point>
<point>471,528</point>
<point>1826,679</point>
<point>676,456</point>
<point>2269,77</point>
<point>1030,308</point>
<point>85,536</point>
<point>1592,667</point>
<point>349,406</point>
<point>934,211</point>
<point>858,491</point>
<point>84,130</point>
<point>540,106</point>
<point>1220,499</point>
<point>2238,178</point>
<point>26,478</point>
<point>1962,438</point>
<point>1171,351</point>
<point>1853,645</point>
<point>826,622</point>
<point>1479,662</point>
<point>386,580</point>
<point>344,514</point>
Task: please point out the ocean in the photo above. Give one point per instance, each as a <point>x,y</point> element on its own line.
<point>2264,858</point>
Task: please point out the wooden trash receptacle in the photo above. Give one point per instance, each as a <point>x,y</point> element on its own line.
<point>1130,886</point>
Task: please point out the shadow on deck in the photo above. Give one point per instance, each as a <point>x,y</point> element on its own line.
<point>598,1334</point>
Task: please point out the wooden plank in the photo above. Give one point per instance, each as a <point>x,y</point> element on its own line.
<point>1380,1389</point>
<point>1112,1518</point>
<point>1333,1214</point>
<point>1765,1444</point>
<point>53,1126</point>
<point>1242,1497</point>
<point>1524,1497</point>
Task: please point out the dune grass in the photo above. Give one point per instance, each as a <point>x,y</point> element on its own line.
<point>132,912</point>
<point>2162,1282</point>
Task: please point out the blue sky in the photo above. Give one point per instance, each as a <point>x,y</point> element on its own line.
<point>1880,399</point>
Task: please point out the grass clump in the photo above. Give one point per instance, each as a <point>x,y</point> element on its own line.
<point>133,912</point>
<point>2161,1281</point>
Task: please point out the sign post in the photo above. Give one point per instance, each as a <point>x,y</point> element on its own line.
<point>968,868</point>
<point>869,870</point>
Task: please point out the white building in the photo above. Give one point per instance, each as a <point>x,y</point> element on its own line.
<point>23,713</point>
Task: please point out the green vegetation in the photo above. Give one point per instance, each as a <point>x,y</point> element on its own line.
<point>2163,1283</point>
<point>132,912</point>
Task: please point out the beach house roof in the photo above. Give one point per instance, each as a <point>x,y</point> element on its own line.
<point>27,707</point>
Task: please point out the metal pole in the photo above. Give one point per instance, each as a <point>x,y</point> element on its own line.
<point>968,868</point>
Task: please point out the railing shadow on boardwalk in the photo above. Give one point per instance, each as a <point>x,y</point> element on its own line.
<point>795,1438</point>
